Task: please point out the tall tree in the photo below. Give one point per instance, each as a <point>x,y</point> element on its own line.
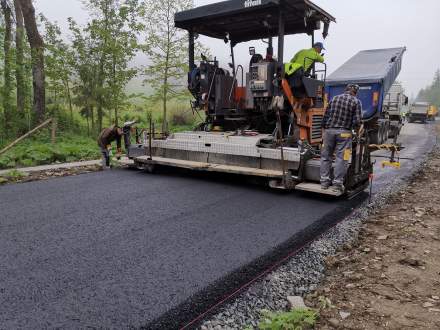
<point>7,73</point>
<point>123,47</point>
<point>20,58</point>
<point>59,61</point>
<point>104,50</point>
<point>167,49</point>
<point>431,93</point>
<point>85,71</point>
<point>37,50</point>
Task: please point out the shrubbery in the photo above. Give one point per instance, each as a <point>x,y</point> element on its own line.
<point>39,151</point>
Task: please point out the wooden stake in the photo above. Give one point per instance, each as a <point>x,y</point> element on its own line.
<point>25,136</point>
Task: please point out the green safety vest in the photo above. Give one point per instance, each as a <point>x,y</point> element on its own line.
<point>305,56</point>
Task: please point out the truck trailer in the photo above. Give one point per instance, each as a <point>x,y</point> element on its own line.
<point>254,124</point>
<point>418,112</point>
<point>374,71</point>
<point>394,105</point>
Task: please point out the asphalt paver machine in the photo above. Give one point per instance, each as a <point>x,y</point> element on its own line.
<point>256,123</point>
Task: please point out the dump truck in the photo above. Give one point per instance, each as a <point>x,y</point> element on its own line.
<point>375,71</point>
<point>418,112</point>
<point>432,112</point>
<point>394,106</point>
<point>254,124</point>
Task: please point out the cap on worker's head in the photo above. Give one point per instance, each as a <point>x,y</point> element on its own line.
<point>352,88</point>
<point>319,45</point>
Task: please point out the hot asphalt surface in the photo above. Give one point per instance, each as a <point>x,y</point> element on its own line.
<point>122,248</point>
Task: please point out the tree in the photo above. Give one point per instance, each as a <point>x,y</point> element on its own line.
<point>85,72</point>
<point>123,47</point>
<point>20,59</point>
<point>7,73</point>
<point>37,52</point>
<point>59,61</point>
<point>431,93</point>
<point>167,49</point>
<point>104,49</point>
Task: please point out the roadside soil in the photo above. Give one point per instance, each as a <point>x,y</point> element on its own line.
<point>389,278</point>
<point>21,177</point>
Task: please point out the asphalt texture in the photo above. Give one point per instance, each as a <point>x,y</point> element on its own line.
<point>125,249</point>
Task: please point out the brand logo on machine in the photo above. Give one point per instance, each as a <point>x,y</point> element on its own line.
<point>252,3</point>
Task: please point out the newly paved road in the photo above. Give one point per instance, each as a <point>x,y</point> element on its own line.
<point>120,249</point>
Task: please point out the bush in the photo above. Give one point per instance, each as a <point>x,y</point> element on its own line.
<point>39,151</point>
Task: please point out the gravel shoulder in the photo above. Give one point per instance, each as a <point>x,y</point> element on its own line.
<point>389,277</point>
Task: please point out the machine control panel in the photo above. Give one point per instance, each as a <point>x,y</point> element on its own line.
<point>261,77</point>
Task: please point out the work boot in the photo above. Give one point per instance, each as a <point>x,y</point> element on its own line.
<point>338,188</point>
<point>325,185</point>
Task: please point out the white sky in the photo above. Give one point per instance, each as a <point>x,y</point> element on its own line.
<point>360,25</point>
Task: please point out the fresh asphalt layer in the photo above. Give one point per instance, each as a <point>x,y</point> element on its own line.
<point>125,249</point>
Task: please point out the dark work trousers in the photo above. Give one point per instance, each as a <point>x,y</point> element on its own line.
<point>105,157</point>
<point>339,141</point>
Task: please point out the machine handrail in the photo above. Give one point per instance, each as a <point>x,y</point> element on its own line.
<point>314,69</point>
<point>234,81</point>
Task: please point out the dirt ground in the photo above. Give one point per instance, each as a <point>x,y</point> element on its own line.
<point>21,177</point>
<point>390,277</point>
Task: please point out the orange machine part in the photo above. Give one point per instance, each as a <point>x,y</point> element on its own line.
<point>304,112</point>
<point>240,96</point>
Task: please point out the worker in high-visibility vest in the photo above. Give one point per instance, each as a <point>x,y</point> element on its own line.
<point>304,59</point>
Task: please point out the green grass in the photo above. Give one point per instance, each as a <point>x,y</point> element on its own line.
<point>39,151</point>
<point>74,145</point>
<point>297,319</point>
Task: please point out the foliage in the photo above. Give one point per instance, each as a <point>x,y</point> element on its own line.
<point>103,51</point>
<point>297,319</point>
<point>39,151</point>
<point>166,47</point>
<point>59,61</point>
<point>87,74</point>
<point>431,93</point>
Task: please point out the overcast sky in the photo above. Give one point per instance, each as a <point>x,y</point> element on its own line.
<point>360,25</point>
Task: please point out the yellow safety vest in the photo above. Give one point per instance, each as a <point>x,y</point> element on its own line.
<point>303,59</point>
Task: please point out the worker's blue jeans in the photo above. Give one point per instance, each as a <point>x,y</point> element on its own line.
<point>336,141</point>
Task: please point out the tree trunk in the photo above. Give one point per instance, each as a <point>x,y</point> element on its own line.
<point>167,62</point>
<point>101,72</point>
<point>165,95</point>
<point>92,117</point>
<point>7,88</point>
<point>37,49</point>
<point>20,69</point>
<point>69,99</point>
<point>115,92</point>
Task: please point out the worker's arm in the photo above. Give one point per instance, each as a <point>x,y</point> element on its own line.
<point>357,118</point>
<point>319,58</point>
<point>326,114</point>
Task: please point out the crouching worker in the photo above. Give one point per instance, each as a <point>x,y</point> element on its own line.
<point>105,139</point>
<point>343,115</point>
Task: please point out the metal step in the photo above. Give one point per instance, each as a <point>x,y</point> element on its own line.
<point>201,166</point>
<point>316,188</point>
